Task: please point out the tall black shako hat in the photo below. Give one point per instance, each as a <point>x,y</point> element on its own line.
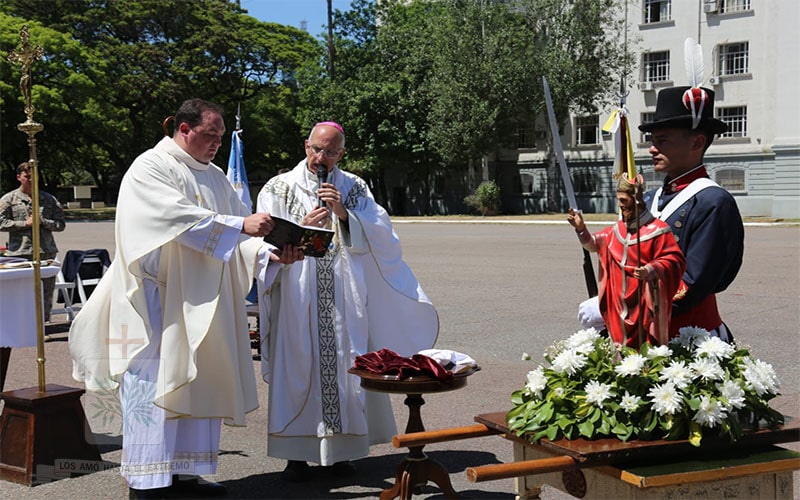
<point>685,107</point>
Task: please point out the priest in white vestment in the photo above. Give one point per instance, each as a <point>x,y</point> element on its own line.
<point>321,313</point>
<point>167,324</point>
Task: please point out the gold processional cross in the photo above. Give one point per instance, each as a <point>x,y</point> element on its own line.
<point>25,55</point>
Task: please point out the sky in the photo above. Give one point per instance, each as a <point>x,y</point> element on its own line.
<point>293,12</point>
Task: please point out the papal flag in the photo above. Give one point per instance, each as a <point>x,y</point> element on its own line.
<point>237,175</point>
<point>618,125</point>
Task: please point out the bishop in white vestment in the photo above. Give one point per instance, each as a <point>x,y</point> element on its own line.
<point>321,313</point>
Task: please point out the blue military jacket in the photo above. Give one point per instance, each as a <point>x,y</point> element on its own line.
<point>709,231</point>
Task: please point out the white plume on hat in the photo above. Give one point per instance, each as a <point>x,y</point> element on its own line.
<point>695,97</point>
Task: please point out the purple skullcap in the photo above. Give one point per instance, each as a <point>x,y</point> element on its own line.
<point>331,124</point>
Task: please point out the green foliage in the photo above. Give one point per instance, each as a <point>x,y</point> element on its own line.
<point>695,386</point>
<point>113,70</point>
<point>419,86</point>
<point>485,199</point>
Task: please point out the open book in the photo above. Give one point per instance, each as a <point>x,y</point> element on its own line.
<point>313,241</point>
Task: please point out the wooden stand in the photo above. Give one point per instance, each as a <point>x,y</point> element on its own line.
<point>766,473</point>
<point>609,468</point>
<point>38,428</point>
<point>417,468</point>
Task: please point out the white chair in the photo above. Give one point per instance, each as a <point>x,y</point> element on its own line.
<point>82,283</point>
<point>64,294</point>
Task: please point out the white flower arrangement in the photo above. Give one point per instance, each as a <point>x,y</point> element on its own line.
<point>694,385</point>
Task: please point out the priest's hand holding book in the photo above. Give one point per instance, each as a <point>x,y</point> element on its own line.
<point>311,238</point>
<point>261,224</point>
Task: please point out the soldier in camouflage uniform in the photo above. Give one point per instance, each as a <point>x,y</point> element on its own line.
<point>16,208</point>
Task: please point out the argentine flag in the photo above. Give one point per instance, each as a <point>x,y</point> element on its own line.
<point>236,172</point>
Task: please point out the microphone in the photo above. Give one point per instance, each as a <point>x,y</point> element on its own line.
<point>322,176</point>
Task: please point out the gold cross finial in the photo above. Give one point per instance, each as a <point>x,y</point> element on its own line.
<point>24,55</point>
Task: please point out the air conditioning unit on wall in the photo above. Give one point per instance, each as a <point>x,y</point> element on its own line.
<point>646,86</point>
<point>710,6</point>
<point>714,81</point>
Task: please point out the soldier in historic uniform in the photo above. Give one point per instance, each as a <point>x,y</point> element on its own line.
<point>704,217</point>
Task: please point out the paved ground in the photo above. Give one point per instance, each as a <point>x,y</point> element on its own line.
<point>500,289</point>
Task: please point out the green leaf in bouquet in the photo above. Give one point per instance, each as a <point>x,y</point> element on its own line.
<point>586,429</point>
<point>564,421</point>
<point>539,435</point>
<point>532,427</point>
<point>622,430</point>
<point>652,421</point>
<point>546,411</point>
<point>583,410</point>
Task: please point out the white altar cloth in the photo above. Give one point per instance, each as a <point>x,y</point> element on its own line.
<point>17,306</point>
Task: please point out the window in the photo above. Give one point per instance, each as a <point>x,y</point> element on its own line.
<point>731,179</point>
<point>525,183</point>
<point>646,118</point>
<point>736,119</point>
<point>526,138</point>
<point>530,182</point>
<point>585,182</point>
<point>734,58</point>
<point>656,66</point>
<point>586,130</point>
<point>656,11</point>
<point>734,5</point>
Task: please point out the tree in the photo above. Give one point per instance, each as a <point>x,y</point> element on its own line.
<point>421,86</point>
<point>488,71</point>
<point>139,60</point>
<point>379,93</point>
<point>576,45</point>
<point>448,83</point>
<point>67,101</point>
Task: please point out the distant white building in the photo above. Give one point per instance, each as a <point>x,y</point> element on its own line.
<point>751,53</point>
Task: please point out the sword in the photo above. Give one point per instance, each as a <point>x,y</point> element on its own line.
<point>588,269</point>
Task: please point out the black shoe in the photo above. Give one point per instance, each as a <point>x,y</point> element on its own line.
<point>195,487</point>
<point>343,469</point>
<point>296,471</point>
<point>133,493</point>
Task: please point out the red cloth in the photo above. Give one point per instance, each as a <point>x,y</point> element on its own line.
<point>704,315</point>
<point>618,255</point>
<point>388,362</point>
<point>684,180</point>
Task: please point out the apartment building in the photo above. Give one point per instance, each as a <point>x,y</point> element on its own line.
<point>751,55</point>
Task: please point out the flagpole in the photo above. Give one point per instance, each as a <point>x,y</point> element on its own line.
<point>238,116</point>
<point>629,169</point>
<point>237,174</point>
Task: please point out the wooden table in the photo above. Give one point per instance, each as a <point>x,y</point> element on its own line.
<point>610,468</point>
<point>417,468</point>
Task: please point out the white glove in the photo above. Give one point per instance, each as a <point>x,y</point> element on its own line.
<point>589,314</point>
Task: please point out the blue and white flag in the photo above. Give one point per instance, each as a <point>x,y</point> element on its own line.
<point>236,172</point>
